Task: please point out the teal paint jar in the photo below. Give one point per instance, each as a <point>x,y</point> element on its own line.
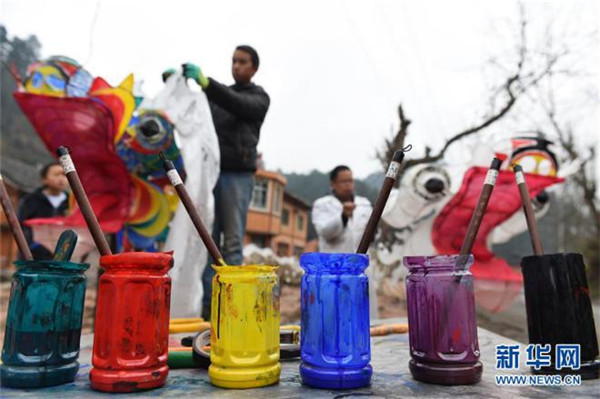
<point>43,324</point>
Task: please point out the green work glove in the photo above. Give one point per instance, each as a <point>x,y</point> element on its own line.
<point>166,73</point>
<point>194,72</point>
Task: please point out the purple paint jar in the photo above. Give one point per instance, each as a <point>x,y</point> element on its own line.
<point>441,320</point>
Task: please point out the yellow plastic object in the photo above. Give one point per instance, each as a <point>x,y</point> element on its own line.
<point>244,333</point>
<point>292,327</point>
<point>196,324</point>
<point>186,320</point>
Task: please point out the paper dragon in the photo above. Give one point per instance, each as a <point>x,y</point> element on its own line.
<point>430,212</point>
<point>115,138</point>
<point>115,145</point>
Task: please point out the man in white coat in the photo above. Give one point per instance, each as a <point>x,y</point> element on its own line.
<point>340,219</point>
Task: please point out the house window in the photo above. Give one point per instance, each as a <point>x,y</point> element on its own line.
<point>259,240</point>
<point>277,199</point>
<point>283,249</point>
<point>300,223</point>
<point>259,194</point>
<point>298,251</point>
<point>285,217</point>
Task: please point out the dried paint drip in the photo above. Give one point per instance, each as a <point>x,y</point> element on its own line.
<point>335,350</point>
<point>245,349</point>
<point>219,300</point>
<point>441,317</point>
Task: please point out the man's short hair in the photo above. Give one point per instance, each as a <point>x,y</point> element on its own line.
<point>336,171</point>
<point>253,54</point>
<point>46,168</point>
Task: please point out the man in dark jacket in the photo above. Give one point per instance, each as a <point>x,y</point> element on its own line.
<point>48,201</point>
<point>238,112</point>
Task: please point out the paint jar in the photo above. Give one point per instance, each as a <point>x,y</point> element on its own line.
<point>335,338</point>
<point>43,324</point>
<point>244,336</point>
<point>131,330</point>
<point>559,310</point>
<point>442,325</point>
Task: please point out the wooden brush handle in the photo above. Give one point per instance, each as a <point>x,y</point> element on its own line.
<point>534,234</point>
<point>384,193</point>
<point>13,222</point>
<point>176,181</point>
<point>480,208</point>
<point>82,200</point>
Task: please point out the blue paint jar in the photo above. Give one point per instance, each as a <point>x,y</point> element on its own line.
<point>335,339</point>
<point>43,324</point>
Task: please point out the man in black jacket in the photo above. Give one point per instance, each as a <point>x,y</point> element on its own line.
<point>45,202</point>
<point>238,112</point>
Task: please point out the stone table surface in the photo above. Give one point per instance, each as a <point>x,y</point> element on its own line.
<point>391,379</point>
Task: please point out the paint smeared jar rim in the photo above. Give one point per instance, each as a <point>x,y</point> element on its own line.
<point>438,262</point>
<point>143,261</point>
<point>334,263</point>
<point>245,268</point>
<point>49,265</point>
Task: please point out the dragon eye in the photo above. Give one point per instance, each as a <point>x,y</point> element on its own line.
<point>542,197</point>
<point>434,185</point>
<point>55,83</point>
<point>37,79</point>
<point>528,164</point>
<point>431,183</point>
<point>152,130</point>
<point>544,167</point>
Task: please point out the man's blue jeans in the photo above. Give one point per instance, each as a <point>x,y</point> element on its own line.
<point>233,193</point>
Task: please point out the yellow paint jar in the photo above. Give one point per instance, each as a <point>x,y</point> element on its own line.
<point>244,339</point>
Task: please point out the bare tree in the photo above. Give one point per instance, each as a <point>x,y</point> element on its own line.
<point>531,85</point>
<point>560,123</point>
<point>585,180</point>
<point>519,78</point>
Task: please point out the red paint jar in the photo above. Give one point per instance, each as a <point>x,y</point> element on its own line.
<point>131,331</point>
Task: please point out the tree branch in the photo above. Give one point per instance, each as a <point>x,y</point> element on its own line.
<point>396,142</point>
<point>514,86</point>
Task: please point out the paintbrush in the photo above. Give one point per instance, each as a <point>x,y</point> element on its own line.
<point>384,193</point>
<point>13,222</point>
<point>66,162</point>
<point>469,240</point>
<point>534,234</point>
<point>191,210</point>
<point>479,212</point>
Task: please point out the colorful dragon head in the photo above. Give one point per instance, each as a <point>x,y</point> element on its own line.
<point>115,146</point>
<point>430,212</point>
